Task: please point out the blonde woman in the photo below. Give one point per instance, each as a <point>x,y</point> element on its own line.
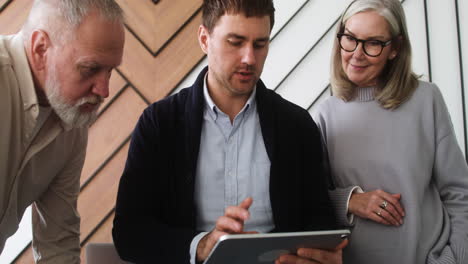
<point>400,176</point>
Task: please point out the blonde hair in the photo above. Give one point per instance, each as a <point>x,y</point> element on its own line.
<point>397,80</point>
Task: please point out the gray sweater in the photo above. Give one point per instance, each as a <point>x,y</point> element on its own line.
<point>411,150</point>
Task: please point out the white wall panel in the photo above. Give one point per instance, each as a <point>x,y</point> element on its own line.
<point>303,32</point>
<point>463,24</point>
<point>17,242</point>
<point>445,59</point>
<point>319,100</point>
<point>311,76</point>
<point>414,10</point>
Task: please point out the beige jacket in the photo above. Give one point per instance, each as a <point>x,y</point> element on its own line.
<point>43,171</point>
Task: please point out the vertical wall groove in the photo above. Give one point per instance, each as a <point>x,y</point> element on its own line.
<point>426,19</point>
<point>462,80</point>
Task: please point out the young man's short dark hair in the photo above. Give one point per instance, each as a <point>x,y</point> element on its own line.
<point>214,9</point>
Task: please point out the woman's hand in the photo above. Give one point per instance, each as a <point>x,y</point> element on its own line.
<point>378,206</point>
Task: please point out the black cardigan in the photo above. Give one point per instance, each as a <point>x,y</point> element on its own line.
<point>155,212</point>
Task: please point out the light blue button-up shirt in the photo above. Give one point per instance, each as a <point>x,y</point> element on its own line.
<point>232,165</point>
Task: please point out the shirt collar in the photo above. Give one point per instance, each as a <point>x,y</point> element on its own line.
<point>25,80</point>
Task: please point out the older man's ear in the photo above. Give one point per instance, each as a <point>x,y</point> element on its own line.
<point>40,44</point>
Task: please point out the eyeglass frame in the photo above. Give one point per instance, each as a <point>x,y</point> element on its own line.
<point>383,44</point>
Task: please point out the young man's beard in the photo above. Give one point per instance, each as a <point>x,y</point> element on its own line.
<point>70,114</point>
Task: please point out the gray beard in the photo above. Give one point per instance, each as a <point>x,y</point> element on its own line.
<point>70,114</point>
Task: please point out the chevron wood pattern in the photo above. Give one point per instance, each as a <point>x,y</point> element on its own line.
<point>156,24</point>
<point>116,86</point>
<point>173,62</point>
<point>3,4</point>
<point>160,50</point>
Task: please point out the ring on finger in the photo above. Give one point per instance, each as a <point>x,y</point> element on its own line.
<point>379,213</point>
<point>384,204</point>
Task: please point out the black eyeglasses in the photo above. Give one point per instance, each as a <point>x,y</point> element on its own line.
<point>371,47</point>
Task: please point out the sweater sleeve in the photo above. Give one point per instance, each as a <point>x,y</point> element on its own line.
<point>339,196</point>
<point>340,200</point>
<point>450,175</point>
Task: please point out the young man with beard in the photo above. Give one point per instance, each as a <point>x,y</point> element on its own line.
<point>224,156</point>
<point>54,75</point>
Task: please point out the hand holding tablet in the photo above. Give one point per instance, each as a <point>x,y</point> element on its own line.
<point>267,248</point>
<point>227,243</point>
<point>231,223</point>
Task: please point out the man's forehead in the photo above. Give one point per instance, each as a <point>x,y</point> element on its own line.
<point>91,54</point>
<point>98,59</point>
<point>98,41</point>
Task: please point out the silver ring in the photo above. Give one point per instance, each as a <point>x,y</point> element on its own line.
<point>379,213</point>
<point>384,204</point>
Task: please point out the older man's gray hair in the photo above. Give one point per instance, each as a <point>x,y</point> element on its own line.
<point>59,18</point>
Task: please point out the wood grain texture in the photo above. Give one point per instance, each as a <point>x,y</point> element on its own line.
<point>98,198</point>
<point>158,76</point>
<point>111,129</point>
<point>102,235</point>
<point>13,16</point>
<point>26,257</point>
<point>155,24</point>
<point>116,84</point>
<point>3,4</point>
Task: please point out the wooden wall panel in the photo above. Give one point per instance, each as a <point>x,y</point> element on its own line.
<point>137,57</point>
<point>26,257</point>
<point>159,75</point>
<point>178,59</point>
<point>111,129</point>
<point>102,235</point>
<point>116,85</point>
<point>3,4</point>
<point>98,199</point>
<point>156,24</point>
<point>13,16</point>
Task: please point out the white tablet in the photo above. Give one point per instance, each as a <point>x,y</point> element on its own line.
<point>266,248</point>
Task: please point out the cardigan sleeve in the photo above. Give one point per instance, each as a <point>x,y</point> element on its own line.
<point>142,233</point>
<point>450,175</point>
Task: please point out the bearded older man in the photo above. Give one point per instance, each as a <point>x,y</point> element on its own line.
<point>54,74</point>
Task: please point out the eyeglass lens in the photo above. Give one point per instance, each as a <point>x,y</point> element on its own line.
<point>371,47</point>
